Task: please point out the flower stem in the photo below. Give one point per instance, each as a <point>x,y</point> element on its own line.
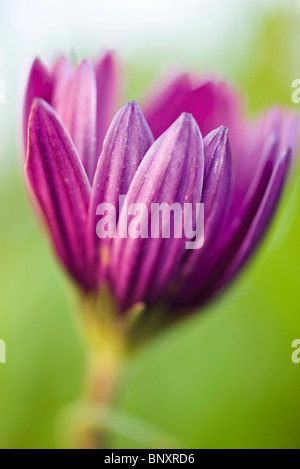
<point>104,336</point>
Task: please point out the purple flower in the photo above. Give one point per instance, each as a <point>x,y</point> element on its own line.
<point>80,156</point>
<point>85,98</point>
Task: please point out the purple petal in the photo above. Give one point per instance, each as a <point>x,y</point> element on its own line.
<point>60,186</point>
<point>61,73</point>
<point>40,85</point>
<point>249,152</point>
<point>216,197</point>
<point>284,125</point>
<point>165,105</point>
<point>218,181</point>
<point>77,109</point>
<point>254,235</point>
<point>171,172</point>
<point>290,133</point>
<point>218,176</point>
<point>220,251</point>
<point>262,219</point>
<point>107,72</point>
<point>211,104</point>
<point>126,143</point>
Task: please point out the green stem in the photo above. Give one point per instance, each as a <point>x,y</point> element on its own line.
<point>104,336</point>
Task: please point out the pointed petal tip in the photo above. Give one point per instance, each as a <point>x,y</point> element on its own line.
<point>286,157</point>
<point>59,185</point>
<point>85,65</point>
<point>219,136</point>
<point>185,119</point>
<point>185,123</point>
<point>180,79</point>
<point>108,59</point>
<point>184,131</point>
<point>223,135</point>
<point>218,153</point>
<point>222,131</point>
<point>133,109</point>
<point>62,68</point>
<point>109,55</point>
<point>62,58</point>
<point>36,107</point>
<point>132,105</point>
<point>39,106</point>
<point>39,111</point>
<point>186,116</point>
<point>132,115</point>
<point>39,73</point>
<point>40,84</point>
<point>38,64</point>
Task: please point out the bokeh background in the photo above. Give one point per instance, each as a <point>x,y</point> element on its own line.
<point>222,379</point>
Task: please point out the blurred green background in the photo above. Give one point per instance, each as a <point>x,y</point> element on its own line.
<point>222,379</point>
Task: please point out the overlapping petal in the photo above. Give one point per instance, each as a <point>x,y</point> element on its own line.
<point>86,99</point>
<point>77,107</point>
<point>262,218</point>
<point>125,145</point>
<point>239,182</point>
<point>252,238</point>
<point>60,187</point>
<point>165,104</point>
<point>107,71</point>
<point>171,172</point>
<point>222,255</point>
<point>61,74</point>
<point>217,198</point>
<point>40,85</point>
<point>211,104</point>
